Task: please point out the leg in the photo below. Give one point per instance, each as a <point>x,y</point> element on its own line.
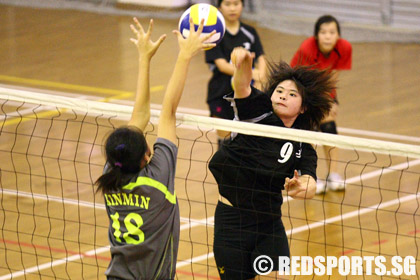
<point>271,242</point>
<point>334,181</point>
<point>330,152</point>
<point>229,246</point>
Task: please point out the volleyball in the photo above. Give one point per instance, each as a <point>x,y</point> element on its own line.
<point>213,20</point>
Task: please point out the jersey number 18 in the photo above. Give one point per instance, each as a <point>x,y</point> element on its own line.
<point>133,234</point>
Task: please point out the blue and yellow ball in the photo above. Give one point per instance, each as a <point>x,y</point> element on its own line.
<point>213,20</point>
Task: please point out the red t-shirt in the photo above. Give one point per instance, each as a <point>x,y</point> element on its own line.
<point>309,54</point>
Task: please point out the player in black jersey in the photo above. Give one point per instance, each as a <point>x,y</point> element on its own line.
<point>139,189</point>
<point>238,34</point>
<point>252,171</point>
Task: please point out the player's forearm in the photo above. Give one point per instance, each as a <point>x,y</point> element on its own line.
<point>174,89</point>
<point>242,81</point>
<point>141,110</point>
<point>176,85</point>
<point>167,120</point>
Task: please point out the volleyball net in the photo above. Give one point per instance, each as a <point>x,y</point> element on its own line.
<point>54,224</point>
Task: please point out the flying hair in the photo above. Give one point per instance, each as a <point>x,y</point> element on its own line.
<point>313,85</point>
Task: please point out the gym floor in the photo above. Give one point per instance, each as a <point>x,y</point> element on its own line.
<point>89,56</point>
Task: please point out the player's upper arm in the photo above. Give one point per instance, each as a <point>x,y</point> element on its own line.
<point>163,162</point>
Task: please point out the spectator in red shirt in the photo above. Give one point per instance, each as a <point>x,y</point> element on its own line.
<point>326,50</point>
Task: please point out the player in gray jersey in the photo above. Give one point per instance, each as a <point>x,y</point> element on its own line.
<point>139,188</point>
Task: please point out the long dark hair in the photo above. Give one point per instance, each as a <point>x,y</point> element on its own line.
<point>325,19</point>
<point>125,148</point>
<point>314,86</point>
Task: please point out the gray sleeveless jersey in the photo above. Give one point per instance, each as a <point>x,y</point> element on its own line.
<point>144,220</point>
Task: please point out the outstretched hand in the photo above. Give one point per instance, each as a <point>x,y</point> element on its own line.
<point>195,42</point>
<point>298,188</point>
<point>145,46</point>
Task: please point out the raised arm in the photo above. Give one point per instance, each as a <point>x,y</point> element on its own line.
<point>146,49</point>
<point>258,74</point>
<point>242,76</point>
<point>187,49</point>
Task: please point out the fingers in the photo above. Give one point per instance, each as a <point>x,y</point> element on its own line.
<point>239,55</point>
<point>139,27</point>
<point>292,183</point>
<point>134,29</point>
<point>209,46</point>
<point>192,29</point>
<point>240,58</point>
<point>150,29</point>
<point>178,34</point>
<point>208,36</point>
<point>201,26</point>
<point>161,39</point>
<point>200,29</point>
<point>286,183</point>
<point>233,57</point>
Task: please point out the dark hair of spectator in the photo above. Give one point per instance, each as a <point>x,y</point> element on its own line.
<point>219,2</point>
<point>325,19</point>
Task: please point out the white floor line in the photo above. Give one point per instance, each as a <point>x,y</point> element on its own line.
<point>319,224</point>
<point>355,213</point>
<point>48,265</point>
<point>375,134</point>
<point>376,173</point>
<point>210,221</point>
<point>188,223</point>
<point>180,264</point>
<point>37,268</point>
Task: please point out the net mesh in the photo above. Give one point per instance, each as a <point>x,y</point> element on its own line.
<point>54,225</point>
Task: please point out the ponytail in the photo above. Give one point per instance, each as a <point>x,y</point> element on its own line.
<point>124,148</point>
<point>110,181</point>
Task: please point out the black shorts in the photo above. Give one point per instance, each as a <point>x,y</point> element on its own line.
<point>221,108</point>
<point>239,240</point>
